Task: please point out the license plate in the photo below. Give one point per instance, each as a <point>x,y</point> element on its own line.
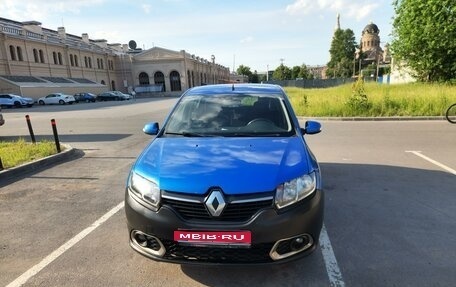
<point>213,237</point>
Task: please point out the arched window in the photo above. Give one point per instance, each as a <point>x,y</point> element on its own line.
<point>60,58</point>
<point>76,63</point>
<point>175,81</point>
<point>101,64</point>
<point>159,79</point>
<point>71,60</point>
<point>41,56</point>
<point>98,63</point>
<point>19,54</point>
<point>144,79</point>
<point>12,52</point>
<point>103,82</point>
<point>90,62</point>
<point>35,56</point>
<point>193,79</point>
<point>113,85</point>
<point>86,62</point>
<point>54,56</point>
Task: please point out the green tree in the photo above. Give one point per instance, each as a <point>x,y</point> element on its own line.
<point>424,34</point>
<point>342,54</point>
<point>295,72</point>
<point>254,78</point>
<point>244,70</point>
<point>282,72</point>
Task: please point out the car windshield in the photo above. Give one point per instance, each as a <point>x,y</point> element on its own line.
<point>230,116</point>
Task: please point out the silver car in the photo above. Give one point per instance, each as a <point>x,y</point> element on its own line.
<point>12,100</point>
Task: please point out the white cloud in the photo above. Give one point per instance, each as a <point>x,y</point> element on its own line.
<point>246,40</point>
<point>41,10</point>
<point>146,8</point>
<point>358,9</point>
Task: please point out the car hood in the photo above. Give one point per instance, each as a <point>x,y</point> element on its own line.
<point>236,165</point>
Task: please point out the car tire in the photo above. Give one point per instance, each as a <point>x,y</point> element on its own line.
<point>62,102</point>
<point>41,102</point>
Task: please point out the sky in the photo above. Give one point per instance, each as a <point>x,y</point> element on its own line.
<point>260,34</point>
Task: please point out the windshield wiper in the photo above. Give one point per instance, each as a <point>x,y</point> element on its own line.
<point>190,134</point>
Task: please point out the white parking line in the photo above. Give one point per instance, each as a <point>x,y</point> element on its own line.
<point>418,153</point>
<point>59,251</point>
<point>334,274</point>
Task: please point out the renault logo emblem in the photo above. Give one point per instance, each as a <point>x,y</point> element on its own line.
<point>215,203</point>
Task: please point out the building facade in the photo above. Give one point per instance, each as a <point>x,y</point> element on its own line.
<point>35,61</point>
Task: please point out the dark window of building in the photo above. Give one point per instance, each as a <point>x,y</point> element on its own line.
<point>71,60</point>
<point>144,79</point>
<point>86,62</point>
<point>76,63</point>
<point>19,54</point>
<point>98,63</point>
<point>12,52</point>
<point>90,62</point>
<point>159,79</point>
<point>175,81</point>
<point>60,58</point>
<point>193,79</point>
<point>41,56</point>
<point>103,82</point>
<point>189,83</point>
<point>54,56</point>
<point>35,56</point>
<point>101,64</point>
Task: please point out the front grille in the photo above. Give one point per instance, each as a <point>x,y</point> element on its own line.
<point>233,212</point>
<point>258,253</point>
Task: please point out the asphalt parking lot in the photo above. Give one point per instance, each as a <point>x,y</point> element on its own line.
<point>390,215</point>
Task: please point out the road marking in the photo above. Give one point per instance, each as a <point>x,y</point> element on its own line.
<point>334,274</point>
<point>418,153</point>
<point>62,249</point>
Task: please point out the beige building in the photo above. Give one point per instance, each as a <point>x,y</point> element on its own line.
<point>35,61</point>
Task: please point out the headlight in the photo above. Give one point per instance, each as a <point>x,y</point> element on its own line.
<point>295,190</point>
<point>144,189</point>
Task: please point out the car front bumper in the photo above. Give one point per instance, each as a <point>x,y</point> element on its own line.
<point>275,236</point>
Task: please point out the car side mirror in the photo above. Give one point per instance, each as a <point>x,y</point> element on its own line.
<point>151,129</point>
<point>311,127</point>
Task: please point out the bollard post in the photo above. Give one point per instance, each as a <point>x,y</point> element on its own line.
<point>56,136</point>
<point>29,124</point>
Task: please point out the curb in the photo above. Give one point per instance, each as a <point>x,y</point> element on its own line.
<point>9,175</point>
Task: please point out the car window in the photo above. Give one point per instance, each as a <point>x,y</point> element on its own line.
<point>230,115</point>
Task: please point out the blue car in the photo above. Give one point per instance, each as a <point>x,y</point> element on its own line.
<point>85,97</point>
<point>228,179</point>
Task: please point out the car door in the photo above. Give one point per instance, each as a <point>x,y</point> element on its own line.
<point>51,99</point>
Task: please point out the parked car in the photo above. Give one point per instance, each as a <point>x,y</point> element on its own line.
<point>56,98</point>
<point>85,97</point>
<point>2,120</point>
<point>228,179</point>
<point>12,100</point>
<point>113,96</point>
<point>123,95</point>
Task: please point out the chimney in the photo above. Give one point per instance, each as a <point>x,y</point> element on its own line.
<point>62,33</point>
<point>85,38</point>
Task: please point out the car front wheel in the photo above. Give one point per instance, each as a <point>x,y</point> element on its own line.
<point>62,102</point>
<point>41,102</point>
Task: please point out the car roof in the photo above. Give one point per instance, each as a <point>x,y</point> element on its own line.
<point>237,89</point>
